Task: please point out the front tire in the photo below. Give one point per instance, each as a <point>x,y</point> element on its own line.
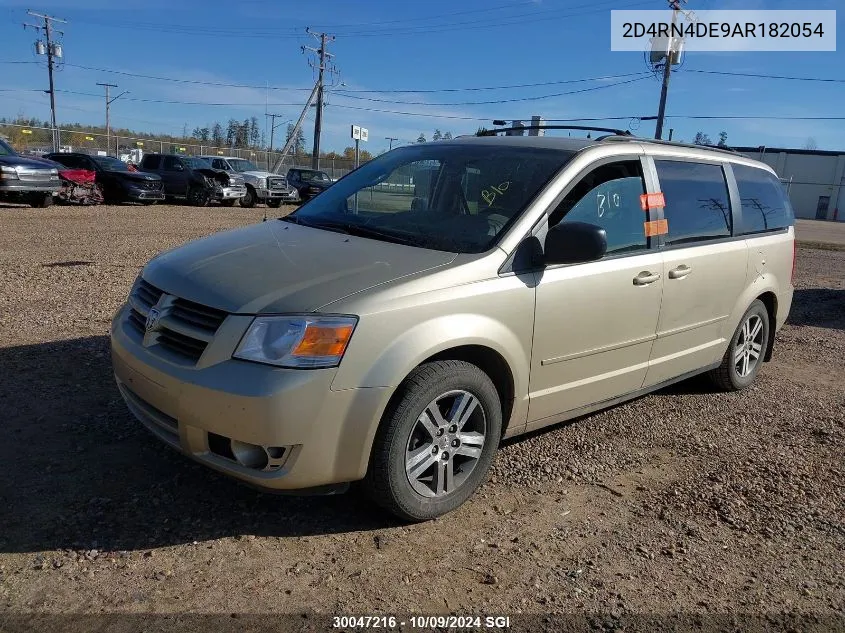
<point>41,200</point>
<point>745,353</point>
<point>436,441</point>
<point>248,201</point>
<point>199,196</point>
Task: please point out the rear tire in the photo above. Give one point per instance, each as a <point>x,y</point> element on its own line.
<point>436,441</point>
<point>746,350</point>
<point>41,200</point>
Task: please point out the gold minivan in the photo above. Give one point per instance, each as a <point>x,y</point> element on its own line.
<point>447,295</point>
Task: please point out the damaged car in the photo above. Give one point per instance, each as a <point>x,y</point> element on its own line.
<point>117,181</point>
<point>194,179</point>
<point>79,185</point>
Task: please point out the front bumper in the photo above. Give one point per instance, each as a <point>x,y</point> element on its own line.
<point>324,436</point>
<point>144,194</point>
<point>233,193</point>
<point>285,195</point>
<point>24,187</point>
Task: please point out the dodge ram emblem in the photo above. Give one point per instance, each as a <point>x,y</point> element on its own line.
<point>152,320</point>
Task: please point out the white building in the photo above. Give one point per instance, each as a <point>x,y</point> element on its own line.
<point>815,179</point>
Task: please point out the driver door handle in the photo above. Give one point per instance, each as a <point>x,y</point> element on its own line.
<point>680,272</point>
<point>646,277</point>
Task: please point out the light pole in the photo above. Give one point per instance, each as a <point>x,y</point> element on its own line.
<point>273,126</point>
<point>108,119</point>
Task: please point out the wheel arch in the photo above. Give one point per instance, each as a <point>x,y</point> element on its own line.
<point>770,300</point>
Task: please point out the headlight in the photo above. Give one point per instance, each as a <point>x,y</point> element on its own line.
<point>8,172</point>
<point>297,341</point>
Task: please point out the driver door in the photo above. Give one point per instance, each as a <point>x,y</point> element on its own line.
<point>596,322</point>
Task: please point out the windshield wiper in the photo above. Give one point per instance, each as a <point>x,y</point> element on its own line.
<point>359,230</point>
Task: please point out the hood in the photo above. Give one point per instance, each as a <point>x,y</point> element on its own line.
<point>136,175</point>
<point>259,174</point>
<point>278,267</point>
<point>20,161</point>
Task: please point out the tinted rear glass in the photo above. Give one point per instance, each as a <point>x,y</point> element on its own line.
<point>765,206</point>
<point>697,204</point>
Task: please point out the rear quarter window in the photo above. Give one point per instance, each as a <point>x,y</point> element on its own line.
<point>765,205</point>
<point>697,207</point>
<point>151,162</point>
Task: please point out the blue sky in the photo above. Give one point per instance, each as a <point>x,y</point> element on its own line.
<point>380,45</point>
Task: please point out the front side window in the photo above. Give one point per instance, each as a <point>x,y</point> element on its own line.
<point>765,206</point>
<point>171,163</point>
<point>609,197</point>
<point>456,197</point>
<point>697,204</point>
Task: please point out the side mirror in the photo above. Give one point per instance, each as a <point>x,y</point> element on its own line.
<point>574,243</point>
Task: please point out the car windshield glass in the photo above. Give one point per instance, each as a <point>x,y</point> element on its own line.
<point>309,175</point>
<point>107,163</point>
<point>451,197</point>
<point>241,165</point>
<point>197,163</point>
<point>5,150</point>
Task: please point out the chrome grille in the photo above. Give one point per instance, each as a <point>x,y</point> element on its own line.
<point>276,183</point>
<point>184,329</point>
<point>28,174</point>
<point>152,185</point>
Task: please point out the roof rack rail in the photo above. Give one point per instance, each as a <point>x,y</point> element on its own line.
<point>611,131</point>
<point>628,137</point>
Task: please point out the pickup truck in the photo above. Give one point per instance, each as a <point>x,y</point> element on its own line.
<point>26,180</point>
<point>194,179</point>
<point>261,186</point>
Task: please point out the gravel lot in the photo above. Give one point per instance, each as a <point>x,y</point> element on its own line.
<point>684,501</point>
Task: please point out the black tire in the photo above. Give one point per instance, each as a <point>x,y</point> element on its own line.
<point>148,203</point>
<point>274,204</point>
<point>728,376</point>
<point>387,482</point>
<point>41,200</point>
<point>228,203</point>
<point>199,196</point>
<point>248,201</point>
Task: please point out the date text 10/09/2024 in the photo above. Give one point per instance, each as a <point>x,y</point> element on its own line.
<point>421,622</point>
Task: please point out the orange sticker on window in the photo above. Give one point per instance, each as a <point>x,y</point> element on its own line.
<point>652,200</point>
<point>656,227</point>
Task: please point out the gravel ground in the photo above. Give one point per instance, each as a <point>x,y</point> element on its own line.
<point>684,501</point>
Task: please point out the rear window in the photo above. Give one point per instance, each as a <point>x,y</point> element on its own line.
<point>151,162</point>
<point>765,206</point>
<point>697,204</point>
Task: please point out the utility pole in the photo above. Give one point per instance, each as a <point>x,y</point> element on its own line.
<point>273,127</point>
<point>318,119</point>
<point>53,50</point>
<point>108,116</point>
<point>391,139</point>
<point>667,71</point>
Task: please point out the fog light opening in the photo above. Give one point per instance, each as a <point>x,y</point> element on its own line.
<point>275,452</point>
<point>249,455</point>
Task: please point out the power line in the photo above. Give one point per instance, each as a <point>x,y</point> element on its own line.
<point>763,76</point>
<point>499,101</point>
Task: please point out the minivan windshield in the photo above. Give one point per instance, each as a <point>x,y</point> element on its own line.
<point>457,197</point>
<point>107,163</point>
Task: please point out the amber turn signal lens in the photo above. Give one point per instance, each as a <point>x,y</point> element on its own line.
<point>323,340</point>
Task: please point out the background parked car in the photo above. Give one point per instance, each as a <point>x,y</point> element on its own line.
<point>117,182</point>
<point>261,185</point>
<point>194,179</point>
<point>308,182</point>
<point>26,180</point>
